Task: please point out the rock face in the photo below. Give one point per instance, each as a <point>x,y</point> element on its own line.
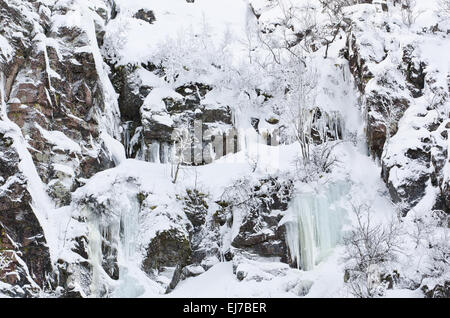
<point>57,92</point>
<point>394,84</point>
<point>196,207</point>
<point>168,249</point>
<point>439,291</point>
<point>150,115</point>
<point>22,239</point>
<point>146,15</point>
<point>259,232</point>
<point>127,226</point>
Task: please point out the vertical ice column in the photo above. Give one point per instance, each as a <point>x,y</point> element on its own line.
<point>132,280</point>
<point>154,149</point>
<point>314,225</point>
<point>126,137</point>
<point>120,228</point>
<point>95,256</point>
<point>164,152</point>
<point>3,110</point>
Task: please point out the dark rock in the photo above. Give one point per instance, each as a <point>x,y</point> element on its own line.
<point>156,131</point>
<point>168,249</point>
<point>357,63</point>
<point>146,15</point>
<point>131,96</point>
<point>195,207</point>
<point>109,260</point>
<point>390,279</point>
<point>411,191</point>
<point>418,154</point>
<point>347,275</point>
<point>259,232</point>
<point>415,71</point>
<point>20,230</point>
<point>272,120</point>
<point>91,165</point>
<point>376,129</point>
<point>240,275</point>
<point>81,247</point>
<point>255,124</point>
<point>72,294</point>
<point>439,291</point>
<point>217,115</point>
<point>221,215</point>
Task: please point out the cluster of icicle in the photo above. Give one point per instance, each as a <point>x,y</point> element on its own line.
<point>314,225</point>
<point>119,228</point>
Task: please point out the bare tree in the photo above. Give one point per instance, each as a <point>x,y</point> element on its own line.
<point>183,142</point>
<point>296,33</point>
<point>299,104</point>
<point>409,14</point>
<point>440,255</point>
<point>421,230</point>
<point>240,194</point>
<point>368,247</point>
<point>322,160</point>
<point>336,21</point>
<point>323,157</point>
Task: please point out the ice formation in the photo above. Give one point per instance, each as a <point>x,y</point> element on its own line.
<point>314,224</point>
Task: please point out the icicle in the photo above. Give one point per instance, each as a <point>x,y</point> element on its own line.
<point>154,152</point>
<point>119,226</point>
<point>131,278</point>
<point>165,153</point>
<point>4,110</point>
<point>126,137</point>
<point>142,153</point>
<point>95,255</point>
<point>314,225</point>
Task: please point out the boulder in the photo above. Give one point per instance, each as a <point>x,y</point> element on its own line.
<point>145,15</point>
<point>168,248</point>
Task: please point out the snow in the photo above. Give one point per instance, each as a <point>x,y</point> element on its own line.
<point>6,51</point>
<point>154,101</point>
<point>63,168</point>
<point>226,285</point>
<point>116,149</point>
<point>155,179</point>
<point>219,17</point>
<point>42,205</point>
<point>60,140</point>
<point>326,282</point>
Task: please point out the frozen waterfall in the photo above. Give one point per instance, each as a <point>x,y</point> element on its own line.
<point>4,111</point>
<point>128,284</point>
<point>313,224</point>
<point>114,251</point>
